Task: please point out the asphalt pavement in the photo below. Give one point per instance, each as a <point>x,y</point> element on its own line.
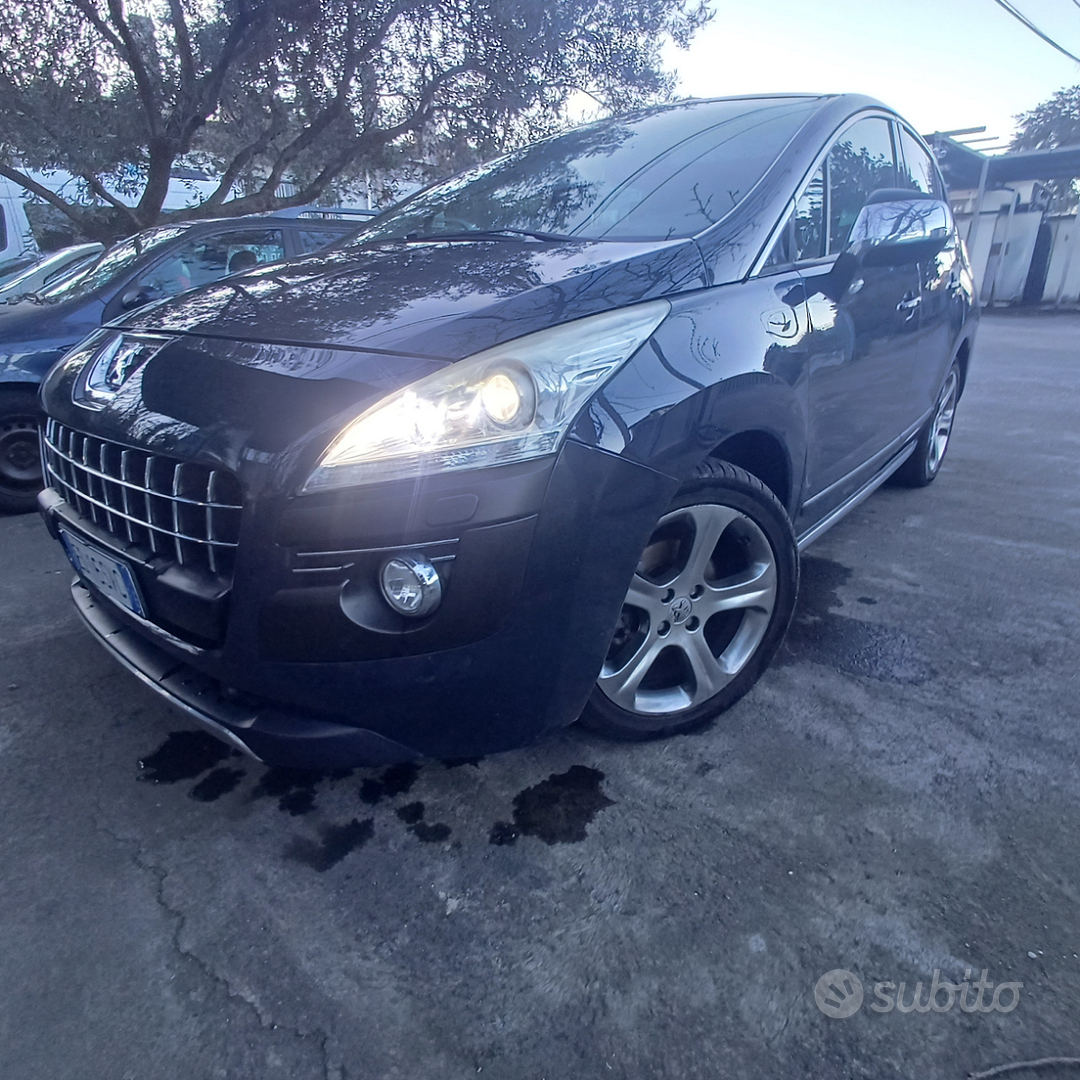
<point>898,797</point>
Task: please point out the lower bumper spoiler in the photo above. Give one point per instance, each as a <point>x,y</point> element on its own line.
<point>268,733</point>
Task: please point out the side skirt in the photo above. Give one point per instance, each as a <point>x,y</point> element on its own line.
<point>871,485</point>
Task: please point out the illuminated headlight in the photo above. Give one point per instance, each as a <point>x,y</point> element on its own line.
<point>509,403</point>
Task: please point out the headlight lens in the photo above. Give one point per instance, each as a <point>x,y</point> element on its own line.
<point>509,403</point>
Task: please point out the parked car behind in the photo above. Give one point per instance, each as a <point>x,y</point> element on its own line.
<point>545,441</point>
<point>48,271</point>
<point>151,265</point>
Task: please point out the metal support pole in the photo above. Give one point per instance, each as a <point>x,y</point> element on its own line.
<point>973,232</point>
<point>1004,248</point>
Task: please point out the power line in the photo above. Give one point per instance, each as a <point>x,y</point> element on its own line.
<point>1035,30</point>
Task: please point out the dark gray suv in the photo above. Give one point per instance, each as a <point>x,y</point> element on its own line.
<point>543,442</point>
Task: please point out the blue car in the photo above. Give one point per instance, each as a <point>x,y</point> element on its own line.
<point>149,266</point>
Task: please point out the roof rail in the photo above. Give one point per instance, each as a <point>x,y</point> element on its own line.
<point>323,212</point>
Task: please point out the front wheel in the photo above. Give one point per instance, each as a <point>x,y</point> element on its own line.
<point>706,610</point>
<point>20,453</point>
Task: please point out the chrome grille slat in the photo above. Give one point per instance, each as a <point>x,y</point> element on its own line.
<point>179,509</point>
<point>177,470</point>
<point>145,487</point>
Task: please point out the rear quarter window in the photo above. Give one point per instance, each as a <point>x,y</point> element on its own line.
<point>309,240</point>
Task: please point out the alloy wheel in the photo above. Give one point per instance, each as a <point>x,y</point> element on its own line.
<point>698,607</point>
<point>943,422</point>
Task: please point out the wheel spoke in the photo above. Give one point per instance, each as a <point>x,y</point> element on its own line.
<point>710,676</point>
<point>756,589</point>
<point>621,684</point>
<point>646,596</point>
<point>709,520</point>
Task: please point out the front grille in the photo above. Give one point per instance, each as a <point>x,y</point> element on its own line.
<point>183,511</point>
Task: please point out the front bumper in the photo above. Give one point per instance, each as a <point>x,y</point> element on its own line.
<point>274,735</point>
<point>295,683</point>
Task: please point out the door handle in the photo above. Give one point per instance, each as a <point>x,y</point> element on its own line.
<point>909,303</point>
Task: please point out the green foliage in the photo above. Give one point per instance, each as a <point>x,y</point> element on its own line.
<point>1055,122</point>
<point>315,91</point>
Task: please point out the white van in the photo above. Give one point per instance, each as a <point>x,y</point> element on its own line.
<point>16,240</point>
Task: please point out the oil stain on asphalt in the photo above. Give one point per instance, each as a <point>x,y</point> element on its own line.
<point>824,636</point>
<point>183,755</point>
<point>396,780</point>
<point>413,816</point>
<point>336,841</point>
<point>216,783</point>
<point>293,788</point>
<point>558,810</point>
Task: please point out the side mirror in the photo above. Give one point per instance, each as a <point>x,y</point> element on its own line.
<point>134,298</point>
<point>897,227</point>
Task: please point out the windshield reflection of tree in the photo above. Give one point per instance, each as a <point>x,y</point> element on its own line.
<point>666,173</point>
<point>539,188</point>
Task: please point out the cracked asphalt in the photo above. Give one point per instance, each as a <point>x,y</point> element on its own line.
<point>898,796</point>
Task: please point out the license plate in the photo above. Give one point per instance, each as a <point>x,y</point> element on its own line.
<point>107,574</point>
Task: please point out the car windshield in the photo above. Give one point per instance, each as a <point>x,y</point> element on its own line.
<point>117,260</point>
<point>665,173</point>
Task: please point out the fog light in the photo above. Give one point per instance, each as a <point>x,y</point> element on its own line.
<point>410,586</point>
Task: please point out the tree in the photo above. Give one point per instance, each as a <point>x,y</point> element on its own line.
<point>118,92</point>
<point>1055,122</point>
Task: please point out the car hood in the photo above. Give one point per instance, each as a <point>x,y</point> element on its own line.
<point>275,362</point>
<point>441,300</point>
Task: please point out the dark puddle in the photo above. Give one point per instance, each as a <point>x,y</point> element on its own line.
<point>293,788</point>
<point>336,841</point>
<point>413,816</point>
<point>396,780</point>
<point>558,810</point>
<point>824,636</point>
<point>183,755</point>
<point>214,785</point>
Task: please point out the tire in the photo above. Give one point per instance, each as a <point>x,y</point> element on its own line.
<point>20,453</point>
<point>925,460</point>
<point>687,647</point>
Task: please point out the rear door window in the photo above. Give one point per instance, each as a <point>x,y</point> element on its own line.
<point>860,162</point>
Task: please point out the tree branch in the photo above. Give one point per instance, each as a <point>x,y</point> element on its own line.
<point>240,160</point>
<point>183,47</point>
<point>43,192</point>
<point>99,190</point>
<point>209,91</point>
<point>103,28</point>
<point>139,70</point>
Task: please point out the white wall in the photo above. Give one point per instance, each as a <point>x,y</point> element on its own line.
<point>1063,274</point>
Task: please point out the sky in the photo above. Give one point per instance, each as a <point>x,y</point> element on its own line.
<point>942,64</point>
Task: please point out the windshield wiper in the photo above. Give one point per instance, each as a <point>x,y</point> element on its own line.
<point>493,234</point>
